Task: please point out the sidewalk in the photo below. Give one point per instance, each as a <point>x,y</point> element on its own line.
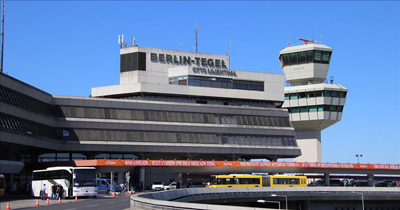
<point>24,201</point>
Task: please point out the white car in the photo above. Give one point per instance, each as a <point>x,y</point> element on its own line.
<point>157,186</point>
<point>171,186</point>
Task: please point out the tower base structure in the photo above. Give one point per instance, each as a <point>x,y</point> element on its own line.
<point>310,145</point>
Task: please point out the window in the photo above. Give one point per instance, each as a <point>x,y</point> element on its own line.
<point>293,58</point>
<point>310,94</point>
<point>333,108</point>
<point>320,108</point>
<point>335,94</point>
<point>285,58</point>
<point>318,93</point>
<point>309,56</point>
<point>302,57</point>
<point>327,93</point>
<point>317,56</point>
<point>65,134</point>
<point>303,109</point>
<point>312,108</point>
<point>301,95</point>
<point>293,95</point>
<point>286,96</point>
<point>325,57</point>
<point>294,110</point>
<point>342,94</point>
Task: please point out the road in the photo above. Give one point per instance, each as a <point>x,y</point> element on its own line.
<point>99,203</point>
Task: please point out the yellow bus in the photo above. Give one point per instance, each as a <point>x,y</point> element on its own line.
<point>235,180</point>
<point>248,180</point>
<point>285,181</point>
<point>2,185</point>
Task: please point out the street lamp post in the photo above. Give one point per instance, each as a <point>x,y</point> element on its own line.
<point>275,195</point>
<point>264,201</point>
<point>358,157</point>
<point>362,198</point>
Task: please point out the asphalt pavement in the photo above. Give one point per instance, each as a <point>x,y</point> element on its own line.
<point>100,203</point>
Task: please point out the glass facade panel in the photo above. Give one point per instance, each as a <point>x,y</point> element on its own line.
<point>317,56</point>
<point>303,109</point>
<point>293,95</point>
<point>318,93</point>
<point>312,108</point>
<point>294,110</point>
<point>325,56</point>
<point>286,96</point>
<point>327,93</point>
<point>342,94</point>
<point>320,108</point>
<point>285,58</point>
<point>302,57</point>
<point>293,58</point>
<point>309,56</point>
<point>335,94</point>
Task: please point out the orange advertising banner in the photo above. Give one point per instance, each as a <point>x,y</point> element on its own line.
<point>205,163</point>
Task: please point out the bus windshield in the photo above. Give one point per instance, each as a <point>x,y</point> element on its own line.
<point>84,177</point>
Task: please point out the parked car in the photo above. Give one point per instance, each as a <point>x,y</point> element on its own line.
<point>171,186</point>
<point>157,186</point>
<point>318,183</point>
<point>104,186</point>
<point>385,184</point>
<point>359,183</point>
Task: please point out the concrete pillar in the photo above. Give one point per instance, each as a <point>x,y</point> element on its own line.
<point>371,180</point>
<point>179,179</point>
<point>327,179</point>
<point>121,177</point>
<point>310,145</point>
<point>142,175</point>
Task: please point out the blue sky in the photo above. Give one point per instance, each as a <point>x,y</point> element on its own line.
<point>65,48</point>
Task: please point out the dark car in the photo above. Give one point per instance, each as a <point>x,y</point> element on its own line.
<point>318,183</point>
<point>359,183</point>
<point>385,184</point>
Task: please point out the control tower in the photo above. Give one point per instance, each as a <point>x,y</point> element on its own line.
<point>314,103</point>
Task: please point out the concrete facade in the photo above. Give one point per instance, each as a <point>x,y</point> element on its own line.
<point>227,115</point>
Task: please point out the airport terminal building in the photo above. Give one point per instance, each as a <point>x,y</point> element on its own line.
<point>169,105</point>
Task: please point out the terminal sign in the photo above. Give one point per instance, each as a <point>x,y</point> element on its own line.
<point>186,60</point>
<point>220,72</point>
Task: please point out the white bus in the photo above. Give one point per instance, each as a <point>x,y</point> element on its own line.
<point>76,181</point>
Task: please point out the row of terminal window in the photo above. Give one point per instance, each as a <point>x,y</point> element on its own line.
<point>311,56</point>
<point>177,137</point>
<point>319,108</point>
<point>216,82</point>
<point>166,116</point>
<point>53,157</point>
<point>26,127</point>
<point>230,102</point>
<point>26,102</point>
<point>318,93</point>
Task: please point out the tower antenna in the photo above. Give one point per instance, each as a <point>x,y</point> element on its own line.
<point>180,45</point>
<point>288,42</point>
<point>2,37</point>
<point>196,39</point>
<point>228,46</point>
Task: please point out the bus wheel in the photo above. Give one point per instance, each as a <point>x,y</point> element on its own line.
<point>108,192</point>
<point>256,185</point>
<point>229,186</point>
